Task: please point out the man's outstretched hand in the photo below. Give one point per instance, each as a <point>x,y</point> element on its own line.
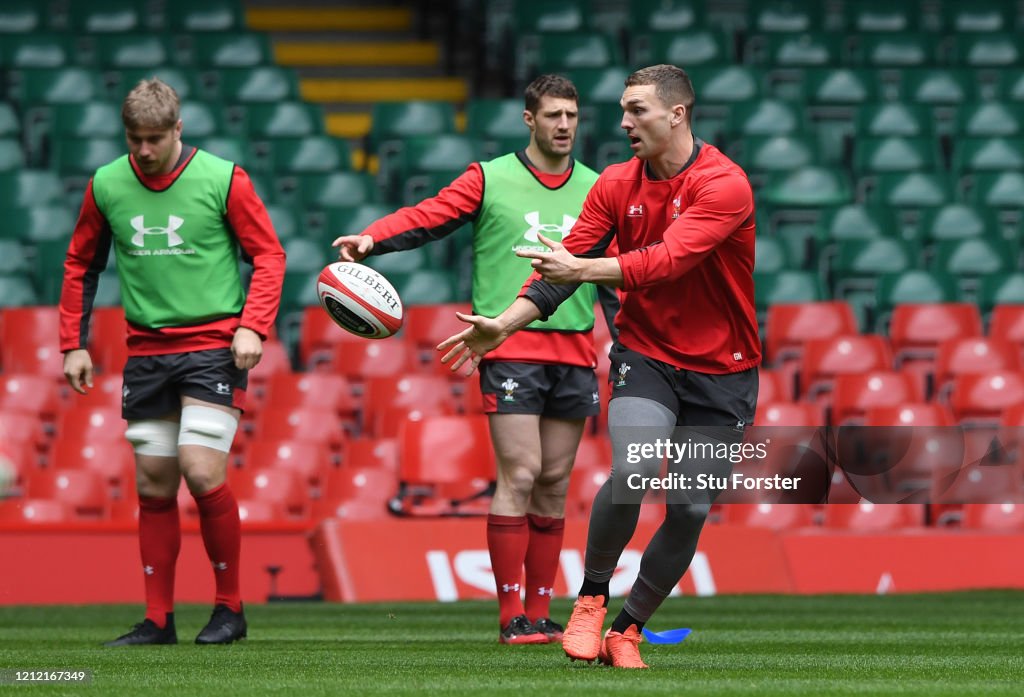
<point>469,346</point>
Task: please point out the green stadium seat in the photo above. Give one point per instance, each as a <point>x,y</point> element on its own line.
<point>310,154</point>
<point>913,286</point>
<point>29,187</point>
<point>1010,85</point>
<point>956,221</point>
<point>186,82</point>
<point>403,262</point>
<point>989,119</point>
<point>666,15</point>
<point>786,16</point>
<point>987,154</point>
<point>348,220</point>
<point>682,48</point>
<point>88,120</point>
<point>427,184</point>
<point>35,50</point>
<point>55,86</point>
<point>765,117</point>
<point>807,187</point>
<point>430,154</point>
<point>854,265</point>
<point>285,220</point>
<point>560,52</point>
<point>616,151</point>
<point>794,50</point>
<point>531,16</point>
<point>12,156</point>
<point>868,16</point>
<point>17,290</point>
<point>231,148</point>
<point>106,16</point>
<point>977,16</point>
<point>306,256</point>
<point>895,50</point>
<point>206,15</point>
<point>396,120</point>
<point>725,85</point>
<point>284,119</point>
<point>786,287</point>
<point>108,291</point>
<point>333,190</point>
<point>21,16</point>
<point>894,154</point>
<point>771,255</point>
<point>260,84</point>
<point>976,256</point>
<point>1000,289</point>
<point>998,190</point>
<point>10,123</point>
<point>132,51</point>
<point>231,50</point>
<point>840,86</point>
<point>893,119</point>
<point>857,221</point>
<point>14,257</point>
<point>913,190</point>
<point>937,86</point>
<point>599,85</point>
<point>427,287</point>
<point>35,223</point>
<point>299,290</point>
<point>495,118</point>
<point>83,156</point>
<point>776,153</point>
<point>988,51</point>
<point>202,119</point>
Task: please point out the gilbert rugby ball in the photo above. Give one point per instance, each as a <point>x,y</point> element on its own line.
<point>360,300</point>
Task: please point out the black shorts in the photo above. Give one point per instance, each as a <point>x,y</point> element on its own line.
<point>556,391</point>
<point>154,385</point>
<point>697,399</point>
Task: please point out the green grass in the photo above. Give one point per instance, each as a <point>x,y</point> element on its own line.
<point>944,644</point>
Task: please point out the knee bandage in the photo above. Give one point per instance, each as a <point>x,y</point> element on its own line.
<point>206,426</point>
<point>153,437</point>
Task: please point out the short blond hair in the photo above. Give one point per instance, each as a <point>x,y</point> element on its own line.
<point>151,104</point>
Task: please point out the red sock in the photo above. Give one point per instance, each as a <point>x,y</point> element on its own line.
<point>542,563</point>
<point>507,538</point>
<point>222,537</point>
<point>159,543</point>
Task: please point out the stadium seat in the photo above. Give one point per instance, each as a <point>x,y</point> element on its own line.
<point>114,461</point>
<point>825,359</point>
<point>993,517</point>
<point>331,394</point>
<point>665,15</point>
<point>998,190</point>
<point>1000,289</point>
<point>106,393</point>
<point>10,122</point>
<point>428,287</point>
<point>90,424</point>
<point>108,336</point>
<point>599,85</point>
<point>911,190</point>
<point>989,119</point>
<point>333,190</point>
<point>386,399</point>
<point>789,326</point>
<point>445,464</point>
<point>18,291</point>
<point>584,484</point>
<point>372,453</point>
<point>286,120</point>
<point>185,81</point>
<point>773,386</point>
<point>83,156</point>
<point>854,265</point>
<point>982,397</point>
<point>807,187</point>
<point>787,287</point>
<point>12,155</point>
<point>19,428</point>
<point>87,120</point>
<point>84,491</point>
<point>494,118</point>
<point>119,51</point>
<point>784,16</point>
<point>1007,324</point>
<point>191,16</point>
<point>765,117</point>
<point>928,85</point>
<point>359,361</point>
<point>202,119</point>
<point>24,510</point>
<point>689,48</point>
<point>428,325</point>
<point>310,154</point>
<point>854,394</point>
<point>302,424</point>
<point>258,84</point>
<point>958,221</point>
<point>893,154</point>
<point>106,16</point>
<point>21,17</point>
<point>30,342</point>
<point>988,50</point>
<point>357,492</point>
<point>232,148</point>
<point>839,86</point>
<point>917,330</point>
<point>780,153</point>
<point>893,119</point>
<point>397,120</point>
<point>767,515</point>
<point>278,486</point>
<point>310,460</point>
<point>872,518</point>
<point>790,414</point>
<point>923,414</point>
<point>990,154</point>
<point>55,86</point>
<point>910,287</point>
<point>230,50</point>
<point>725,84</point>
<point>978,482</point>
<point>894,50</point>
<point>36,50</point>
<point>31,394</point>
<point>561,51</point>
<point>274,361</point>
<point>975,355</point>
<point>318,335</point>
<point>977,16</point>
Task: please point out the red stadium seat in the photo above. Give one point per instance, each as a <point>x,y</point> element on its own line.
<point>773,387</point>
<point>357,493</point>
<point>319,335</point>
<point>916,330</point>
<point>112,460</point>
<point>30,341</point>
<point>973,355</point>
<point>1007,324</point>
<point>784,516</point>
<point>280,486</point>
<point>108,339</point>
<point>309,460</point>
<point>275,361</point>
<point>789,414</point>
<point>367,359</point>
<point>91,425</point>
<point>84,491</point>
<point>445,462</point>
<point>34,511</point>
<point>841,491</point>
<point>788,327</point>
<point>594,452</point>
<point>472,401</point>
<point>911,414</point>
<point>584,484</point>
<point>300,424</point>
<point>17,461</point>
<point>105,393</point>
<point>389,421</point>
<point>428,325</point>
<point>978,482</point>
<point>825,359</point>
<point>19,428</point>
<point>386,398</point>
<point>873,518</point>
<point>994,516</point>
<point>259,511</point>
<point>322,391</point>
<point>854,394</point>
<point>984,397</point>
<point>31,394</point>
<point>372,453</point>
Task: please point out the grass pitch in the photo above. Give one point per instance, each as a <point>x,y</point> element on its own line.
<point>943,644</point>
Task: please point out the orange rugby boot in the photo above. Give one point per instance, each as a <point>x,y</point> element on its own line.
<point>582,637</point>
<point>622,649</point>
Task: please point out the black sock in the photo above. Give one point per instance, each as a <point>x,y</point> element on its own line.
<point>622,622</point>
<point>594,588</point>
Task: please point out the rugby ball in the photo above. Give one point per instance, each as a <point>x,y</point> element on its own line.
<point>359,300</point>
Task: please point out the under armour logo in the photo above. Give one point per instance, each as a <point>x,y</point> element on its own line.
<point>173,238</point>
<point>533,220</point>
<point>507,588</point>
<point>220,565</point>
<point>550,592</point>
<point>148,570</point>
<point>635,210</point>
<point>223,388</point>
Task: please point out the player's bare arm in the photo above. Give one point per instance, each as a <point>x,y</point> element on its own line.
<point>78,369</point>
<point>246,348</point>
<point>353,247</point>
<point>486,334</point>
<point>559,266</point>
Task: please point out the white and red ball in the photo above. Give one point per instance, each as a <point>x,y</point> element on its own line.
<point>360,300</point>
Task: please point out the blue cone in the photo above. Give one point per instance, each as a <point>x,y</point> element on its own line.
<point>669,636</point>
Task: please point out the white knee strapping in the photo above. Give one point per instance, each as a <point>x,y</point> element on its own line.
<point>153,437</point>
<point>206,426</point>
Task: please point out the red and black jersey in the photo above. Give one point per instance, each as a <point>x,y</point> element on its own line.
<point>454,206</point>
<point>686,249</point>
<point>90,246</point>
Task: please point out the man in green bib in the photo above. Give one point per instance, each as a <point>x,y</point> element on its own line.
<point>540,387</point>
<point>176,218</point>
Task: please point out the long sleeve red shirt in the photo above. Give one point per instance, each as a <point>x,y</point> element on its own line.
<point>90,246</point>
<point>686,249</point>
